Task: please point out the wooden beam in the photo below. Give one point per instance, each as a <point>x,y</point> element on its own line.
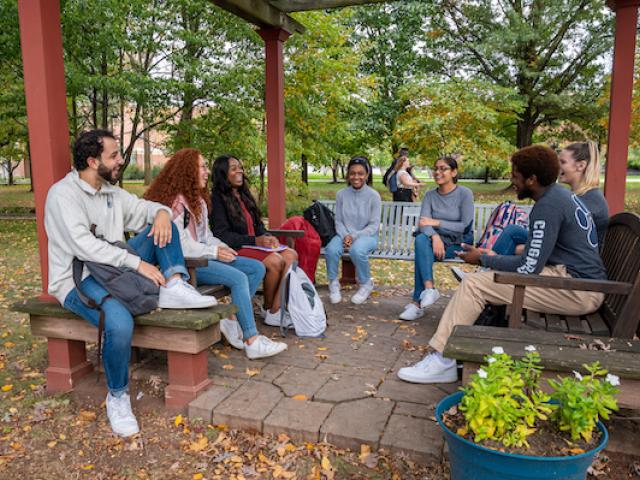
<point>302,5</point>
<point>261,13</point>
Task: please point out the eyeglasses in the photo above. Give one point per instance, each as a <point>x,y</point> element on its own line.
<point>440,169</point>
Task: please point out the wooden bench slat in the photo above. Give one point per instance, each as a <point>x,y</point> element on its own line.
<point>192,319</point>
<point>574,325</point>
<point>624,364</point>
<point>540,337</point>
<point>555,323</point>
<point>598,325</point>
<point>534,319</point>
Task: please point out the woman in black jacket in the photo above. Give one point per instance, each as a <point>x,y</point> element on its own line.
<point>235,219</point>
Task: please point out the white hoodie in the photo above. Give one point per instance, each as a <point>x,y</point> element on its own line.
<point>72,207</point>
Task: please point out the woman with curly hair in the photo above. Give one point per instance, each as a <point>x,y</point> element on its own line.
<point>182,185</point>
<point>235,219</point>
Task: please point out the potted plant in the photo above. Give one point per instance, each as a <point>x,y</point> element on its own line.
<point>502,425</point>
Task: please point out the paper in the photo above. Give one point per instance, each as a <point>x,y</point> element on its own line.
<point>279,248</point>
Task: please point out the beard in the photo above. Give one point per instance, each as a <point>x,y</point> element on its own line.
<point>110,175</point>
<point>524,193</point>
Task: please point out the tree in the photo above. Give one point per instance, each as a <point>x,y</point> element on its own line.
<point>393,36</point>
<point>459,117</point>
<point>549,49</point>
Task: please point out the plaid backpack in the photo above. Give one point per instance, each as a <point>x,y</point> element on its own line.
<point>507,213</point>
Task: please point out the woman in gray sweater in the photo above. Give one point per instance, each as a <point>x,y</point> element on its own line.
<point>446,221</point>
<point>357,221</point>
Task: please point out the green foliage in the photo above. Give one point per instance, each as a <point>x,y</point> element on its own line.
<point>584,399</point>
<point>458,117</point>
<point>503,400</point>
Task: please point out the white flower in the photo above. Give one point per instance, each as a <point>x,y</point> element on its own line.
<point>577,374</point>
<point>497,350</point>
<point>482,373</point>
<point>613,379</point>
<point>491,359</point>
<point>530,348</point>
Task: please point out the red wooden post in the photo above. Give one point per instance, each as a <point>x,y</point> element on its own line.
<point>620,108</point>
<point>67,364</point>
<point>274,39</point>
<point>188,377</point>
<point>45,91</point>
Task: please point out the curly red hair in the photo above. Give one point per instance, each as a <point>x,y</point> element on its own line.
<point>180,176</point>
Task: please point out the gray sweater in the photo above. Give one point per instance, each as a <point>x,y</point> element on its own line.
<point>454,209</point>
<point>561,232</point>
<point>358,212</point>
<point>597,205</point>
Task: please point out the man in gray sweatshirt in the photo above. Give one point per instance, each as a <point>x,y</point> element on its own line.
<point>562,242</point>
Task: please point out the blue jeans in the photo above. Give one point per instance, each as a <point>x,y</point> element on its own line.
<point>423,262</point>
<point>511,236</point>
<point>242,276</point>
<point>118,322</point>
<point>359,253</point>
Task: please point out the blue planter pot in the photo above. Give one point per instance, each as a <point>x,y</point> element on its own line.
<point>470,461</point>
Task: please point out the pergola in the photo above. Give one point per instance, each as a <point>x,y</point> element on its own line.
<point>45,92</point>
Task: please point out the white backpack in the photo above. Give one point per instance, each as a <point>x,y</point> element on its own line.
<point>300,300</point>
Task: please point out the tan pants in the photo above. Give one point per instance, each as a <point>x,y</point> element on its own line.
<point>479,289</point>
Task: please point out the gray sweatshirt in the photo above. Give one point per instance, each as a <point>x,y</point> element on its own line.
<point>597,205</point>
<point>358,212</point>
<point>454,209</point>
<point>561,232</point>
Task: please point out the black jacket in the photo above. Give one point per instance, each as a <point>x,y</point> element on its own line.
<point>232,231</point>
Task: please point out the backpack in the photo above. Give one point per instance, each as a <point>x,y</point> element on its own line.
<point>322,219</point>
<point>299,299</point>
<point>307,247</point>
<point>507,213</point>
<point>392,183</point>
<point>134,291</point>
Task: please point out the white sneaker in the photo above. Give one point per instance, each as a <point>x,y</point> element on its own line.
<point>411,312</point>
<point>363,293</point>
<point>263,347</point>
<point>183,295</point>
<point>121,418</point>
<point>428,297</point>
<point>334,292</point>
<point>458,273</point>
<point>232,332</point>
<point>273,319</point>
<point>433,368</point>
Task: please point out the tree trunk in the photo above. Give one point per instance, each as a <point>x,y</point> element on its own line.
<point>305,166</point>
<point>105,93</point>
<point>27,165</point>
<point>74,116</point>
<point>94,107</point>
<point>486,175</point>
<point>525,127</point>
<point>147,156</point>
<point>334,171</point>
<point>262,167</point>
<point>10,168</point>
<point>342,173</point>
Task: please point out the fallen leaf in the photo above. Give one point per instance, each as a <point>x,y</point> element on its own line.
<point>9,344</point>
<point>300,397</point>
<point>87,415</point>
<point>199,444</point>
<point>197,476</point>
<point>228,367</point>
<point>6,388</point>
<point>87,467</point>
<point>52,443</point>
<point>178,421</point>
<point>322,349</point>
<point>252,372</point>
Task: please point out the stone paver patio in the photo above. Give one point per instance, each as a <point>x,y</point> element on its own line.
<point>342,389</point>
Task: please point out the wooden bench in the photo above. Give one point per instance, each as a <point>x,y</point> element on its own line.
<point>398,221</point>
<point>566,342</point>
<point>186,335</point>
<point>560,353</point>
<point>619,315</point>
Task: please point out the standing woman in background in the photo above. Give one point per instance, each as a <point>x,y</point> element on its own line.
<point>235,219</point>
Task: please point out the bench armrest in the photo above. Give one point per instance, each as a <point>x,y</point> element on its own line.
<point>562,283</point>
<point>195,262</point>
<point>521,281</point>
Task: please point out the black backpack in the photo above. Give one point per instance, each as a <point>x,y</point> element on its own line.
<point>323,220</point>
<point>134,291</point>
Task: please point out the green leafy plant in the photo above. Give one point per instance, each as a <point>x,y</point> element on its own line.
<point>504,401</point>
<point>583,399</point>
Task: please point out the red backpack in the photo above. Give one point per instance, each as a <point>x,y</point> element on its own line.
<point>507,213</point>
<point>307,247</point>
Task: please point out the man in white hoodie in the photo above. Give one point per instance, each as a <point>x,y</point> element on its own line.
<point>88,196</point>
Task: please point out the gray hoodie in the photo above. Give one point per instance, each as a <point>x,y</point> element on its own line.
<point>358,212</point>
